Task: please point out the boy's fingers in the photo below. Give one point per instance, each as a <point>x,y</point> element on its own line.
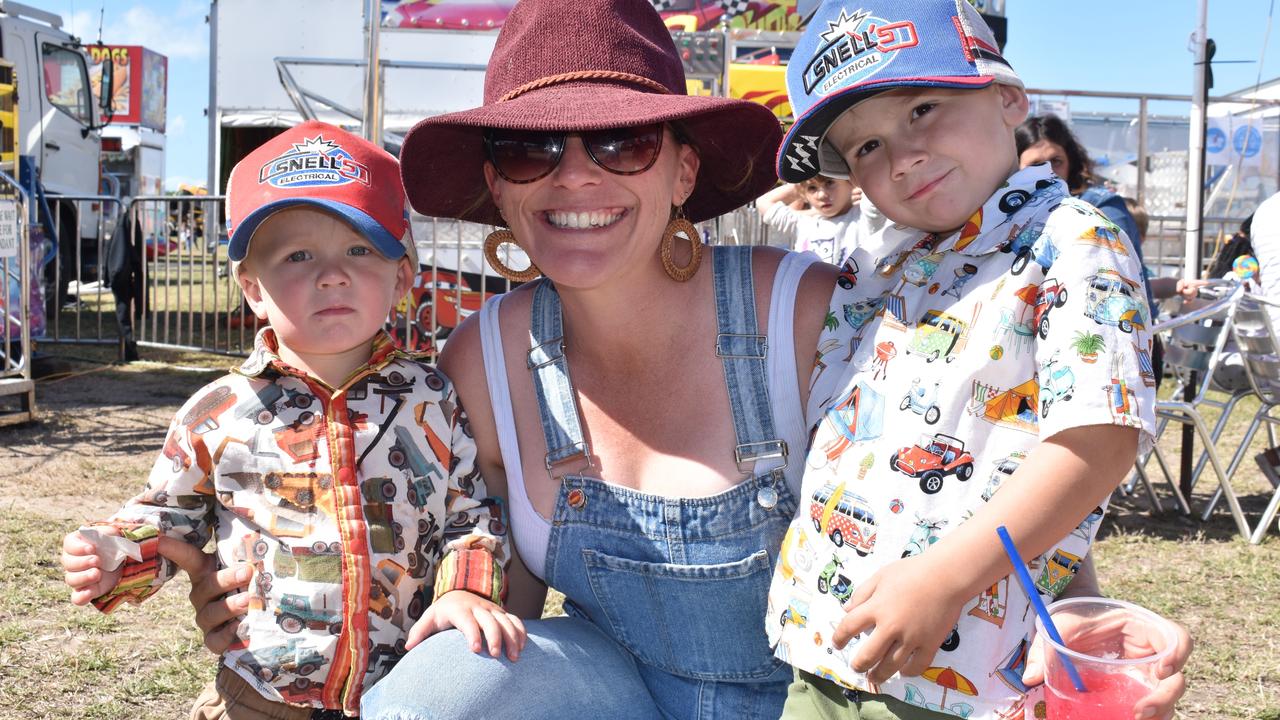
<point>895,657</point>
<point>511,637</point>
<point>215,613</point>
<point>872,651</point>
<point>81,580</point>
<point>207,586</point>
<point>219,641</point>
<point>920,659</point>
<point>420,631</point>
<point>192,559</point>
<point>74,544</point>
<point>854,623</point>
<point>488,625</point>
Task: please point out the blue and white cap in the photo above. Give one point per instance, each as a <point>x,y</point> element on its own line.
<point>853,49</point>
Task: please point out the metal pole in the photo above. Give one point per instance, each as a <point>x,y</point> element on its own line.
<point>1195,196</point>
<point>372,88</point>
<point>1142,151</point>
<point>211,180</point>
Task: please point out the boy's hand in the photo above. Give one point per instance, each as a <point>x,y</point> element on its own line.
<point>1159,703</point>
<point>909,609</point>
<point>218,596</point>
<point>474,616</point>
<point>83,568</point>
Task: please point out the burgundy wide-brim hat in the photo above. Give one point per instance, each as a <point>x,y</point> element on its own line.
<point>575,65</point>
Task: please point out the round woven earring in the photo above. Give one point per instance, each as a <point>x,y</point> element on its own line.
<point>491,244</point>
<point>680,225</point>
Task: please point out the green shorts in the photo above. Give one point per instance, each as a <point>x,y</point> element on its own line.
<point>812,698</point>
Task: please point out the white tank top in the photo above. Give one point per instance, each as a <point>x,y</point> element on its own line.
<point>530,531</point>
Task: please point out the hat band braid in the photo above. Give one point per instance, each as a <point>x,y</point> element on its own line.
<point>585,75</point>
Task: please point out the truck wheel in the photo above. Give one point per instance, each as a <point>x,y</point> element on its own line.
<point>400,646</point>
<point>318,547</point>
<point>395,377</point>
<point>302,402</point>
<point>893,462</point>
<point>415,607</point>
<point>931,415</point>
<point>823,584</point>
<point>934,356</point>
<point>265,416</point>
<point>271,481</point>
<point>931,483</point>
<point>335,628</point>
<point>1126,326</point>
<point>305,498</point>
<point>964,472</point>
<point>335,547</point>
<point>860,551</point>
<point>1061,299</point>
<point>385,612</point>
<point>413,561</point>
<point>837,538</point>
<point>412,495</point>
<point>396,457</point>
<point>291,624</point>
<point>424,527</point>
<point>306,669</point>
<point>952,642</point>
<point>1020,262</point>
<point>302,683</point>
<point>435,382</point>
<point>1044,326</point>
<point>817,524</point>
<point>906,402</point>
<point>388,490</point>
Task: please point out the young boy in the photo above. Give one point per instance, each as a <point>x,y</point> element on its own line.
<point>997,374</point>
<point>340,468</point>
<point>830,226</point>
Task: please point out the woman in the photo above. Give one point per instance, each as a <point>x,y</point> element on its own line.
<point>646,411</point>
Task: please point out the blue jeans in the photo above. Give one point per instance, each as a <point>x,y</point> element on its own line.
<point>569,669</point>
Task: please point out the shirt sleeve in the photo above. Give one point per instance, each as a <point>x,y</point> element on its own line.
<point>781,217</point>
<point>177,502</point>
<point>476,550</point>
<point>1093,349</point>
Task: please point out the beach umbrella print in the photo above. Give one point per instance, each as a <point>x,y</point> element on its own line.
<point>949,679</point>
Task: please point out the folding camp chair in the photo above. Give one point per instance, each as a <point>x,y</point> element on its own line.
<point>1194,344</point>
<point>1254,335</point>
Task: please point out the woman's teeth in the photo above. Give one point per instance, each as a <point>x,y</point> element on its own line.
<point>582,220</point>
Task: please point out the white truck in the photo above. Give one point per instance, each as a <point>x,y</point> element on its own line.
<point>59,125</point>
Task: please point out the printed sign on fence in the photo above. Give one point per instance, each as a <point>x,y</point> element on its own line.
<point>8,229</point>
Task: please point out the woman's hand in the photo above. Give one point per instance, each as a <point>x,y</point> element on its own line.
<point>1171,685</point>
<point>218,596</point>
<point>478,618</point>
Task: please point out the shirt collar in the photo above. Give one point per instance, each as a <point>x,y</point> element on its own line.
<point>1026,189</point>
<point>266,355</point>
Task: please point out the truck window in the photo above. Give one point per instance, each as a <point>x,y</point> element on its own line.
<point>66,81</point>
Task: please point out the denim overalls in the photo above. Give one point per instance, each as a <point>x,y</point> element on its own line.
<point>681,583</point>
<point>665,596</point>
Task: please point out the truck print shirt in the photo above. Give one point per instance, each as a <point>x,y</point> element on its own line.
<point>343,501</point>
<point>942,364</point>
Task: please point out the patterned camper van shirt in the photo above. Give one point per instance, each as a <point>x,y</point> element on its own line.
<point>346,502</point>
<point>942,365</point>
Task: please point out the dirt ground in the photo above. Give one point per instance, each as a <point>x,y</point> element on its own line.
<point>100,428</point>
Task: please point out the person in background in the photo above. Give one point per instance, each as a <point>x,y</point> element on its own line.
<point>828,226</point>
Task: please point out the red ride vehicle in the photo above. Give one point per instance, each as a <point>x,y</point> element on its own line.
<point>932,459</point>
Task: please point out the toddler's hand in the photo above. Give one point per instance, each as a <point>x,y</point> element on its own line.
<point>909,611</point>
<point>475,617</point>
<point>83,568</point>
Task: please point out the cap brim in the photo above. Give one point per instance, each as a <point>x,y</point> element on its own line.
<point>378,236</point>
<point>802,154</point>
<point>442,159</point>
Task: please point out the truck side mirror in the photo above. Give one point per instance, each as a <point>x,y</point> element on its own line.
<point>108,89</point>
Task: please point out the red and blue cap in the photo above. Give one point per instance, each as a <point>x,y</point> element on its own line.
<point>319,165</point>
<point>853,49</point>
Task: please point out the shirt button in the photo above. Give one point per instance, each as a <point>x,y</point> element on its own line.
<point>346,476</point>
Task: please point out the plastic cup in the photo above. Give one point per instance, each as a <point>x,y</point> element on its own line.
<point>1116,646</point>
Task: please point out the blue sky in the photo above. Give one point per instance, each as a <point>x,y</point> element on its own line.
<point>1113,45</point>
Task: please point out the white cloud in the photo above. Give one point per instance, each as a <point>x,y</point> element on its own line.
<point>176,126</point>
<point>180,34</point>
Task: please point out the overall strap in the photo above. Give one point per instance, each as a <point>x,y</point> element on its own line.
<point>561,423</point>
<point>742,350</point>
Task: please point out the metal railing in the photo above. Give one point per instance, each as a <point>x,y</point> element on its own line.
<point>15,304</point>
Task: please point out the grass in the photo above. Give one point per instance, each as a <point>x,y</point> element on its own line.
<point>100,427</point>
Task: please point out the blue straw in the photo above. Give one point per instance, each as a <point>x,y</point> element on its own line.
<point>1029,586</point>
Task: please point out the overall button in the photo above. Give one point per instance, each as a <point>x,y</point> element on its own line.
<point>576,499</point>
<point>767,497</point>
